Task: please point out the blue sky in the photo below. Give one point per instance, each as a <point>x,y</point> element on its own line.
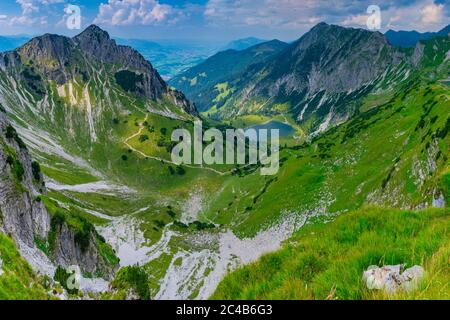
<point>217,20</point>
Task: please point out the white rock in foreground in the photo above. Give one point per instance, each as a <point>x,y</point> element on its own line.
<point>1,265</point>
<point>390,278</point>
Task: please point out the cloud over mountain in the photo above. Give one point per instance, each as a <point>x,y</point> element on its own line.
<point>131,12</point>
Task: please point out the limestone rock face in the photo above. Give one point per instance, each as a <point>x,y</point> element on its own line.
<point>67,252</point>
<point>23,215</point>
<point>391,279</point>
<point>329,58</point>
<point>181,101</point>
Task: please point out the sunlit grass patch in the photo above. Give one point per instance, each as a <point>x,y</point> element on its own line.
<point>327,261</point>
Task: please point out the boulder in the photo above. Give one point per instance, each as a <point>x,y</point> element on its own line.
<point>391,278</point>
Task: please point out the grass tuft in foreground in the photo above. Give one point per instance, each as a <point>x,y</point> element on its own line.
<point>326,261</point>
<point>17,279</point>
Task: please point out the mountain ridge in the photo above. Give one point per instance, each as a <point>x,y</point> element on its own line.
<point>311,79</point>
<point>223,66</point>
<point>408,39</point>
<point>242,44</point>
<point>55,57</point>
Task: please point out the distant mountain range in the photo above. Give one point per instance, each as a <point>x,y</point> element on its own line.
<point>408,39</point>
<point>221,68</point>
<point>310,78</point>
<point>172,57</point>
<point>242,44</point>
<point>11,42</point>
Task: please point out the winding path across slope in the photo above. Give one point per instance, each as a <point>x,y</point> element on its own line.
<point>141,128</point>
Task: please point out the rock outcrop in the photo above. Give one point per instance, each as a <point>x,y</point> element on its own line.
<point>25,217</point>
<point>22,214</point>
<point>391,279</point>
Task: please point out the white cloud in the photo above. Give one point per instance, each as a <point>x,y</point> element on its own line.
<point>289,14</point>
<point>421,16</point>
<point>432,14</point>
<point>359,20</point>
<point>295,14</point>
<point>135,12</point>
<point>31,12</point>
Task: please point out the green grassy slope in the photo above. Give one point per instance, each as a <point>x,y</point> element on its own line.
<point>395,154</point>
<point>18,281</point>
<point>326,261</point>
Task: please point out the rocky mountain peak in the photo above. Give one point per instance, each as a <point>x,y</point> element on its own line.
<point>334,35</point>
<point>46,47</point>
<point>94,32</point>
<point>62,59</point>
<point>325,59</point>
<point>97,43</point>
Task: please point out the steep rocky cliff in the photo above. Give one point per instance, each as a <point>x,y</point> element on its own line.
<point>23,216</point>
<point>35,222</point>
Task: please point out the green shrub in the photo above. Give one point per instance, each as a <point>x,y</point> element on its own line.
<point>159,223</point>
<point>171,213</point>
<point>143,138</point>
<point>62,276</point>
<point>180,225</point>
<point>57,220</point>
<point>83,236</point>
<point>16,167</point>
<point>19,171</point>
<point>36,169</point>
<point>133,277</point>
<point>128,80</point>
<point>11,133</point>
<point>180,171</point>
<point>199,226</point>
